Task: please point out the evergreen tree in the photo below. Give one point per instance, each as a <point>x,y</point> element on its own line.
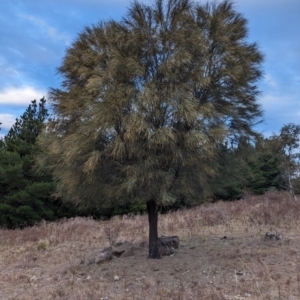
<point>1,140</point>
<point>253,167</point>
<point>145,101</point>
<point>24,195</point>
<point>232,173</point>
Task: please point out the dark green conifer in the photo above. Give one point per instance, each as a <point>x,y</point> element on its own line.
<point>24,194</point>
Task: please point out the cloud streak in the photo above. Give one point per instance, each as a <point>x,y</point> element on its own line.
<point>20,96</point>
<point>51,31</point>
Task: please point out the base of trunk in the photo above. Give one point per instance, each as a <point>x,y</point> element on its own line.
<point>153,233</point>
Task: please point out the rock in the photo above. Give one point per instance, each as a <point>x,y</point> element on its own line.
<point>166,250</point>
<point>116,278</point>
<point>119,249</point>
<point>273,236</point>
<point>118,253</point>
<point>123,249</point>
<point>143,245</point>
<point>128,252</point>
<point>170,241</point>
<point>103,256</point>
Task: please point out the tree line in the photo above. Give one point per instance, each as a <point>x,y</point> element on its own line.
<point>155,112</point>
<point>242,167</point>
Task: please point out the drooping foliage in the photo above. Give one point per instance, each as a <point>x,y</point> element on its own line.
<point>145,101</point>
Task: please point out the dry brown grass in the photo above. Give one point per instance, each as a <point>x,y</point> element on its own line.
<point>50,260</point>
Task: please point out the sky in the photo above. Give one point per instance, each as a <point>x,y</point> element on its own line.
<point>34,37</point>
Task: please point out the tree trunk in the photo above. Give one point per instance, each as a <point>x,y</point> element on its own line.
<point>291,188</point>
<point>153,234</point>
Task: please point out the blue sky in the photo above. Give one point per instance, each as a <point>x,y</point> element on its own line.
<point>34,36</point>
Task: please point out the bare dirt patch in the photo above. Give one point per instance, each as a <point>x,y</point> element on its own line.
<point>223,254</point>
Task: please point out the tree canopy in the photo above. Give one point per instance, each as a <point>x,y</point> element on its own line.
<point>145,101</point>
<point>24,195</point>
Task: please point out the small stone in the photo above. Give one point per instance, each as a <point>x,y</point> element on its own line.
<point>116,278</point>
<point>273,236</point>
<point>33,278</point>
<point>127,290</point>
<point>89,277</point>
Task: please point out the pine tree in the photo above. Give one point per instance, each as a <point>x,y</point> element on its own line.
<point>145,101</point>
<point>24,195</point>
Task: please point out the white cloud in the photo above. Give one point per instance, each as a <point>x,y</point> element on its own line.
<point>20,96</point>
<point>7,121</point>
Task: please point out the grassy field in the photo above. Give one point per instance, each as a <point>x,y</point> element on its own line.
<point>51,260</point>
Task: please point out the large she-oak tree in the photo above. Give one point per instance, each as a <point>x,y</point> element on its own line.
<point>144,101</point>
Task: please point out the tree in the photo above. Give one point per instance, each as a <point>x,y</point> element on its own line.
<point>232,173</point>
<point>1,140</point>
<point>24,195</point>
<point>289,139</point>
<point>23,134</point>
<point>253,166</point>
<point>145,101</point>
